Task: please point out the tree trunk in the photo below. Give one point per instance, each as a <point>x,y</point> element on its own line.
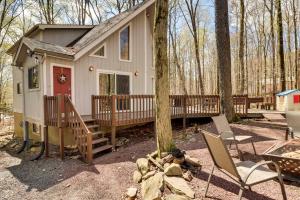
<point>297,83</point>
<point>163,118</point>
<point>280,45</point>
<point>224,57</point>
<point>241,46</point>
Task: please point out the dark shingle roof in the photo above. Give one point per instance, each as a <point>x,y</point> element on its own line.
<point>47,47</point>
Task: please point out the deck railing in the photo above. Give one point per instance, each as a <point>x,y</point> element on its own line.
<point>240,103</point>
<point>60,112</point>
<point>82,134</point>
<point>52,112</point>
<point>120,110</point>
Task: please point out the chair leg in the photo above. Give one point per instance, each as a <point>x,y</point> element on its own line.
<point>241,192</point>
<point>287,134</point>
<point>238,150</point>
<point>208,181</point>
<point>282,188</point>
<point>230,145</point>
<point>253,147</point>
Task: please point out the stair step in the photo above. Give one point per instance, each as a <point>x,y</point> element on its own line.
<point>92,126</point>
<point>98,133</point>
<point>102,148</point>
<point>100,140</point>
<point>89,120</point>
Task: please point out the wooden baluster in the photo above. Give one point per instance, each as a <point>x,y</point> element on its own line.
<point>113,121</point>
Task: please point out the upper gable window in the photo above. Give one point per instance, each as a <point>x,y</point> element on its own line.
<point>125,43</point>
<point>100,52</point>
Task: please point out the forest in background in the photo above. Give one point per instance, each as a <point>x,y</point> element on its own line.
<point>263,63</point>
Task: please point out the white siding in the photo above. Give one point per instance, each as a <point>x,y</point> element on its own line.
<point>17,98</point>
<point>33,98</point>
<point>86,81</point>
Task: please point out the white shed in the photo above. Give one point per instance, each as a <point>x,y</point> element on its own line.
<point>288,100</point>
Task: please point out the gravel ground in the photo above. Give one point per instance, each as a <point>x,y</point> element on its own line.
<point>111,174</point>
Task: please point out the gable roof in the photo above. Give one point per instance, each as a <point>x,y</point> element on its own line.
<point>105,29</point>
<point>92,38</point>
<point>287,92</point>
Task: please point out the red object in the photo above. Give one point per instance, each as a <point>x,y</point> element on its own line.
<point>296,99</point>
<point>62,80</point>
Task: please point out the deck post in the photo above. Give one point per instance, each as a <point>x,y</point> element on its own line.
<point>46,141</point>
<point>113,121</point>
<point>89,148</point>
<point>184,112</point>
<point>59,125</point>
<point>93,106</point>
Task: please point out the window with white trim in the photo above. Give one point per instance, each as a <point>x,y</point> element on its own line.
<point>100,52</point>
<point>125,43</point>
<point>33,78</point>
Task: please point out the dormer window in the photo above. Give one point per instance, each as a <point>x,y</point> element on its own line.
<point>100,52</point>
<point>125,40</point>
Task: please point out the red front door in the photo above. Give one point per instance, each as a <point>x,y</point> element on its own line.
<point>62,81</point>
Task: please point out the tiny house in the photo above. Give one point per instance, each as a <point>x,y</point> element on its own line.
<point>288,100</point>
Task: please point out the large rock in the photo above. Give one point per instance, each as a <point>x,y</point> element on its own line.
<point>173,170</point>
<point>193,161</point>
<point>152,187</point>
<point>188,176</point>
<point>131,193</point>
<point>176,197</point>
<point>137,176</point>
<point>143,165</point>
<point>148,175</point>
<point>179,186</point>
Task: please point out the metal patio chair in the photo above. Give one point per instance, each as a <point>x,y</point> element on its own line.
<point>293,122</point>
<point>245,173</point>
<point>227,134</point>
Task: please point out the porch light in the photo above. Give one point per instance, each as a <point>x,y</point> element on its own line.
<point>91,68</point>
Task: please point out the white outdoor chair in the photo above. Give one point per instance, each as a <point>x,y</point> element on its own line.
<point>245,173</point>
<point>227,134</point>
<point>293,122</point>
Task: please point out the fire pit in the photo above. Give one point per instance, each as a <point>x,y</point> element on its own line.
<point>287,156</point>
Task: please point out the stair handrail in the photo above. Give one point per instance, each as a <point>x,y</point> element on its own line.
<point>69,107</point>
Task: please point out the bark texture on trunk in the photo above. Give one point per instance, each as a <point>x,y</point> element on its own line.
<point>163,117</point>
<point>280,45</point>
<point>224,57</point>
<point>242,46</point>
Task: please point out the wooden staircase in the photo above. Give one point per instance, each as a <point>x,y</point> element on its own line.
<point>100,143</point>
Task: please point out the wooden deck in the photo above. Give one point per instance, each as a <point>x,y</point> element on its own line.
<point>123,110</point>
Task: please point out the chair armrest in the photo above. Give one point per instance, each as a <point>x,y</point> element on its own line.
<point>252,169</point>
